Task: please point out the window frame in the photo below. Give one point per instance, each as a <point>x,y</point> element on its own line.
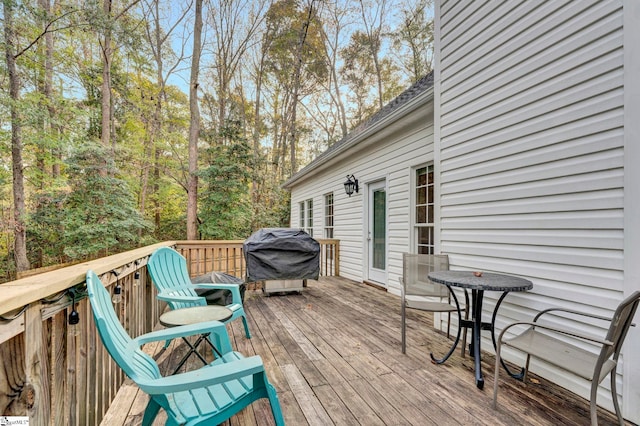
<point>423,209</point>
<point>305,221</point>
<point>329,215</point>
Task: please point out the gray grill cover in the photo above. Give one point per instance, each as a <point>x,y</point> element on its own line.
<point>281,254</point>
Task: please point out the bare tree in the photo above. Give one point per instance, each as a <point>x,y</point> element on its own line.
<point>48,83</point>
<point>107,53</point>
<point>159,36</point>
<point>107,49</point>
<point>293,136</point>
<point>413,38</point>
<point>257,121</point>
<point>373,18</point>
<point>294,65</point>
<point>194,128</point>
<point>333,25</point>
<point>235,25</point>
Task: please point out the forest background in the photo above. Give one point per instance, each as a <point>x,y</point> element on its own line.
<point>126,122</point>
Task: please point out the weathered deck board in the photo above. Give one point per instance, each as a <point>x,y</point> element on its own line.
<point>333,354</point>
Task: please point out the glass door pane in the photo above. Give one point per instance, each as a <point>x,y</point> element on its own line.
<point>379,229</point>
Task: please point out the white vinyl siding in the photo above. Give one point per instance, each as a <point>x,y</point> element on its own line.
<point>631,371</point>
<point>392,154</point>
<point>531,145</point>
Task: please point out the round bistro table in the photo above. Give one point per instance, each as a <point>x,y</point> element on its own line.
<point>478,285</point>
<point>194,315</point>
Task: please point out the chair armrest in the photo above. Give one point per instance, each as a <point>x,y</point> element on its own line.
<point>556,330</point>
<point>170,295</point>
<point>205,376</point>
<point>233,288</point>
<point>182,331</point>
<point>571,311</point>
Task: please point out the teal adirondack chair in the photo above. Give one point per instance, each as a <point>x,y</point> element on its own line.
<point>209,395</point>
<point>168,270</point>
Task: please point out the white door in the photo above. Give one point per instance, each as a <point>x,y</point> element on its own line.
<point>377,233</point>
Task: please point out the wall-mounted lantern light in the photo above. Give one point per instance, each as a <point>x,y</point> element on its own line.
<point>351,185</point>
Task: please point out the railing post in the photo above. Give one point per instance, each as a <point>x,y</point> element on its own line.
<point>337,258</point>
<point>36,393</point>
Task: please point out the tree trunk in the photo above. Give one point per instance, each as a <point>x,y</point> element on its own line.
<point>376,63</point>
<point>156,125</point>
<point>45,78</point>
<point>157,118</point>
<point>107,54</point>
<point>48,92</point>
<point>223,92</point>
<point>256,141</point>
<point>342,114</point>
<point>19,210</point>
<point>157,38</point>
<point>194,129</point>
<point>332,61</point>
<point>146,164</point>
<point>374,34</point>
<point>42,121</point>
<point>156,188</point>
<point>296,88</point>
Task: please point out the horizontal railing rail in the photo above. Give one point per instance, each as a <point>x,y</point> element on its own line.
<point>208,256</point>
<point>60,374</point>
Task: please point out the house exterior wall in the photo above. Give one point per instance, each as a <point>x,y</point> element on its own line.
<point>631,390</point>
<point>391,153</point>
<point>530,144</point>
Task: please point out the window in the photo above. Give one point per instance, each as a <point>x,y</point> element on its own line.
<point>328,215</point>
<point>424,210</point>
<point>306,216</point>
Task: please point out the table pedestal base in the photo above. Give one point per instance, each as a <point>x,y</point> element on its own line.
<point>480,282</point>
<point>477,326</point>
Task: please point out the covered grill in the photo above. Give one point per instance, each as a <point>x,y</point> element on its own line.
<point>281,257</point>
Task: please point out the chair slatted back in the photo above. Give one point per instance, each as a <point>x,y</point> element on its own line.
<point>416,268</point>
<point>168,270</point>
<point>134,362</point>
<point>620,323</point>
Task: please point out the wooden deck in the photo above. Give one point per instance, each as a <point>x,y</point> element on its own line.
<point>333,354</point>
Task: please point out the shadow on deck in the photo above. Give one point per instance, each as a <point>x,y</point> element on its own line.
<point>333,354</point>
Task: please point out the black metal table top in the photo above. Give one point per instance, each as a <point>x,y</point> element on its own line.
<point>486,281</point>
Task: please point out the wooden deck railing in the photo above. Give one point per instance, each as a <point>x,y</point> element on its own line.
<point>55,376</point>
<point>227,256</point>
